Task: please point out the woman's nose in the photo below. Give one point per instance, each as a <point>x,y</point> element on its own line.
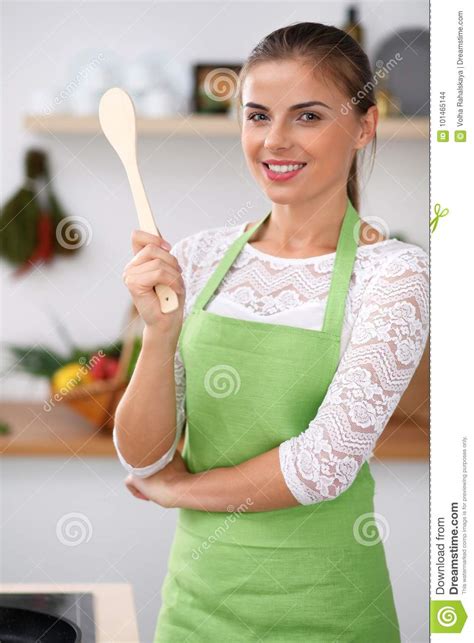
<point>277,138</point>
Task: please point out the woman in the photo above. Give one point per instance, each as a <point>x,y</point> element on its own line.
<point>301,332</point>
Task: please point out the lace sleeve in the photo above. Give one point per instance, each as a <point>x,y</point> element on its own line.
<point>181,250</point>
<point>386,345</point>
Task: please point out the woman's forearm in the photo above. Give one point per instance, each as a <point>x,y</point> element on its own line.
<point>145,419</point>
<point>257,483</point>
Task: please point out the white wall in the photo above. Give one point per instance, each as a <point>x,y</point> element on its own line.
<point>192,184</point>
<point>130,539</point>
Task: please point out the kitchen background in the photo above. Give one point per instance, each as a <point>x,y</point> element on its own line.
<point>66,515</point>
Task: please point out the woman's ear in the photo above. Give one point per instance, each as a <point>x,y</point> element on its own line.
<point>368,122</point>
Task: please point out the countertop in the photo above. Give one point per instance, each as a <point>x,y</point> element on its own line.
<point>61,431</point>
<point>64,433</point>
<point>114,607</point>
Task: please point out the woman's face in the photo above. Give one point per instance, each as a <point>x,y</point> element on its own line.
<point>323,136</point>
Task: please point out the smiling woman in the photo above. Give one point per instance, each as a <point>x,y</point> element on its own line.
<point>278,84</point>
<point>297,344</point>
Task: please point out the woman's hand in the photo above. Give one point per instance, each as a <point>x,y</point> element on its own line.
<point>161,487</point>
<point>153,264</point>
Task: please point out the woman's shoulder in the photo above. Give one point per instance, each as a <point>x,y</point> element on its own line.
<point>390,265</point>
<point>394,269</point>
<point>392,249</point>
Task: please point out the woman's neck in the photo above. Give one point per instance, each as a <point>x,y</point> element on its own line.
<point>300,230</point>
<point>291,232</point>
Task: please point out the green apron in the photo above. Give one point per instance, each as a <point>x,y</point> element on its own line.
<point>307,573</point>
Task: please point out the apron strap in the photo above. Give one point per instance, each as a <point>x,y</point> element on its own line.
<point>343,264</point>
<point>226,262</point>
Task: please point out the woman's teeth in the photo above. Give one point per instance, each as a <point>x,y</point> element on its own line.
<point>285,168</point>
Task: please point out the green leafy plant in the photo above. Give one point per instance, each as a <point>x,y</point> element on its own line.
<point>41,361</point>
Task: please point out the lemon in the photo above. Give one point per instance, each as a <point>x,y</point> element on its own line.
<point>70,376</point>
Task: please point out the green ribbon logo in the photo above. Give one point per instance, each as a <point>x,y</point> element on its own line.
<point>447,617</point>
<point>438,215</point>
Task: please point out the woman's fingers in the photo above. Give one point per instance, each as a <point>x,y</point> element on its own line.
<point>151,251</point>
<point>140,238</point>
<point>154,255</point>
<point>155,271</point>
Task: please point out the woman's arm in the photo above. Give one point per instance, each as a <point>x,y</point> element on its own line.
<point>160,463</point>
<point>150,417</point>
<point>258,483</point>
<point>385,348</point>
<point>151,395</point>
<point>386,345</point>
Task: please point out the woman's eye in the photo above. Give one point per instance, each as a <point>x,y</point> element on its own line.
<point>250,118</point>
<point>314,117</point>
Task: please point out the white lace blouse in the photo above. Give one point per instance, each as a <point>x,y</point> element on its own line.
<point>384,334</point>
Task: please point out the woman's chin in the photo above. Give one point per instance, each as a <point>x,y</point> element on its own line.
<point>283,196</point>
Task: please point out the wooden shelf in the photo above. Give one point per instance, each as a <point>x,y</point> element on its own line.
<point>60,431</point>
<point>407,432</point>
<point>63,433</point>
<point>403,128</point>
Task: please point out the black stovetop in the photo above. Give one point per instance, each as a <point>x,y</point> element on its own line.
<point>78,607</point>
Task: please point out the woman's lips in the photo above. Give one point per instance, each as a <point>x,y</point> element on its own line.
<point>280,176</point>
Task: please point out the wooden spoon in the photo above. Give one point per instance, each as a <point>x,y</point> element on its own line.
<point>117,119</point>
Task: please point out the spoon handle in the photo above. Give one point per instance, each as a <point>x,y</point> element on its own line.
<point>167,296</point>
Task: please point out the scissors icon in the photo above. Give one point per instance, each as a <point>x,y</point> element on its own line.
<point>438,214</point>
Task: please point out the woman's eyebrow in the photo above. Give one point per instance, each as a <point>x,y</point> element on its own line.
<point>293,107</point>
